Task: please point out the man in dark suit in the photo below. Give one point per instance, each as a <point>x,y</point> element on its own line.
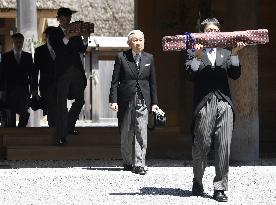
<point>213,115</point>
<point>1,48</point>
<point>69,74</point>
<point>17,68</point>
<point>44,57</point>
<point>133,93</point>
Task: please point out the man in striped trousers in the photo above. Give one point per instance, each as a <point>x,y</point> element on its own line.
<point>209,69</point>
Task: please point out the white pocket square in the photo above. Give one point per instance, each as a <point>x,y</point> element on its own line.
<point>147,64</point>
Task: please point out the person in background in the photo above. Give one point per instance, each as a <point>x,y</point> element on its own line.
<point>69,74</point>
<point>1,48</point>
<point>17,68</point>
<point>44,57</point>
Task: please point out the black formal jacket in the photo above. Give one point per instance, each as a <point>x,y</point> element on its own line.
<point>67,55</point>
<point>43,64</point>
<point>208,80</point>
<point>125,79</point>
<point>14,74</point>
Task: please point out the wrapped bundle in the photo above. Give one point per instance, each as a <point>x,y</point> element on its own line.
<point>214,39</point>
<point>81,27</point>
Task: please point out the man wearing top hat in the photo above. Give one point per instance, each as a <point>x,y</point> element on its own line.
<point>69,74</point>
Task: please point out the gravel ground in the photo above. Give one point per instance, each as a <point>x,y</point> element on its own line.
<point>103,182</point>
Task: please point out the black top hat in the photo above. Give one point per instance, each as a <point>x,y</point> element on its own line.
<point>64,12</point>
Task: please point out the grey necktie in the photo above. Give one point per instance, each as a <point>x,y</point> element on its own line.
<point>137,59</point>
<point>17,57</point>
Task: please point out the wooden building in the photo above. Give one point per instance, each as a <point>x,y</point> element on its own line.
<point>254,94</point>
<point>111,18</point>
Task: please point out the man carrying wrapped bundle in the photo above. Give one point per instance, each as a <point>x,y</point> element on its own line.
<point>209,69</point>
<point>67,44</point>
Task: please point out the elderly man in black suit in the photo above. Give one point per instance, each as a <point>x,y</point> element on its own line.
<point>69,74</point>
<point>17,68</point>
<point>133,93</point>
<point>44,57</point>
<point>213,114</point>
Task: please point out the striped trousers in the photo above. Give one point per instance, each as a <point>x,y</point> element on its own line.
<point>213,123</point>
<point>133,130</point>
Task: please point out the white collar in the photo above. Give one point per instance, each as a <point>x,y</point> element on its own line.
<point>134,54</point>
<point>209,49</point>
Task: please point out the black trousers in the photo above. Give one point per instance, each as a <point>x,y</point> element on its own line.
<point>18,103</point>
<point>70,83</point>
<point>50,99</point>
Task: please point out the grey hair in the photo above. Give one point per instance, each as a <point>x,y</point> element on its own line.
<point>130,34</point>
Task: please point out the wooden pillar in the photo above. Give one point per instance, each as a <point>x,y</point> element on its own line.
<point>242,15</point>
<point>27,22</point>
<point>96,103</point>
<point>87,91</point>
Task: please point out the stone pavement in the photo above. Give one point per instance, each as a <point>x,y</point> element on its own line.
<point>103,182</point>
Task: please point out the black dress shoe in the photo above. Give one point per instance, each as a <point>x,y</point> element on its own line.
<point>197,189</point>
<point>74,132</point>
<point>127,167</point>
<point>61,141</point>
<point>139,170</point>
<point>220,196</point>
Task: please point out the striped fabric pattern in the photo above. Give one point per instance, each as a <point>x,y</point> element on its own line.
<point>134,132</point>
<point>213,123</point>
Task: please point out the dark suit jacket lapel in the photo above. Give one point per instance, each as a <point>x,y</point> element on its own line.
<point>60,32</point>
<point>47,53</point>
<point>131,63</point>
<point>21,58</point>
<point>13,57</point>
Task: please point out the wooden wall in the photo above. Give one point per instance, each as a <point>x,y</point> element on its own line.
<point>254,93</point>
<point>267,79</point>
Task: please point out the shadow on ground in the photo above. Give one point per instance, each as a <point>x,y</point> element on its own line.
<point>161,191</point>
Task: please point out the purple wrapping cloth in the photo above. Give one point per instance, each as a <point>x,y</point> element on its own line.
<point>215,39</point>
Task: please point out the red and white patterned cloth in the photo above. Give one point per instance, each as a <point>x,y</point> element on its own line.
<point>81,27</point>
<point>215,39</point>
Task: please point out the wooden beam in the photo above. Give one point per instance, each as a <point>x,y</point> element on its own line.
<point>41,24</point>
<point>41,13</point>
<point>46,13</point>
<point>7,13</point>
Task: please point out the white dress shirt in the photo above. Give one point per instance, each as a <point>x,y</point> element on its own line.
<point>65,40</point>
<point>211,53</point>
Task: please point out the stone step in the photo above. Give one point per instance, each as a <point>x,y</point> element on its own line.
<point>62,152</point>
<point>91,143</point>
<point>51,131</point>
<point>42,139</point>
